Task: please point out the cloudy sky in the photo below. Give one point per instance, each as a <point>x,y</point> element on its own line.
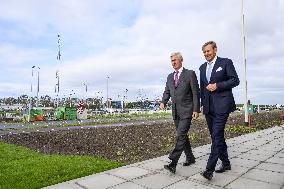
<point>131,40</point>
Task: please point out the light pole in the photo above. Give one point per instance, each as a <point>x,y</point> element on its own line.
<point>124,99</point>
<point>107,94</point>
<point>100,96</point>
<point>86,90</point>
<point>72,93</point>
<point>55,103</point>
<point>37,86</point>
<point>64,103</point>
<point>245,65</point>
<point>32,79</point>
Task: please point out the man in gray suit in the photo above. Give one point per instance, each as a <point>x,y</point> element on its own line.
<point>183,89</point>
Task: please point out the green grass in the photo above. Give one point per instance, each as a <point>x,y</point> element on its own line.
<point>239,129</point>
<point>23,168</point>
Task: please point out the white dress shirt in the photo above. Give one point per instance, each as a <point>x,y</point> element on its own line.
<point>212,63</point>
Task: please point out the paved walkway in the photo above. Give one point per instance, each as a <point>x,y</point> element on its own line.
<point>257,163</point>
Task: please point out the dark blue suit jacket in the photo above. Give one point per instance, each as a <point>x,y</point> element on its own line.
<point>226,78</point>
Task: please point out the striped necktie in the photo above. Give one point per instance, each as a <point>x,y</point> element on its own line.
<point>176,78</point>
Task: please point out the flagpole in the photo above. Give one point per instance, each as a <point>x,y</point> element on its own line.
<point>57,71</point>
<point>30,104</point>
<point>245,65</point>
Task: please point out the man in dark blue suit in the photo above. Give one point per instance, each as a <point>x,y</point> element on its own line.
<point>217,78</point>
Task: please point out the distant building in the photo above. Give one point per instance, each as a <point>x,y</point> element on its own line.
<point>116,104</point>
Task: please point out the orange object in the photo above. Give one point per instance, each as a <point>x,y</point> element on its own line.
<point>38,118</point>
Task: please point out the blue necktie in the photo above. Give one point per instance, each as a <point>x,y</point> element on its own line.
<point>209,70</point>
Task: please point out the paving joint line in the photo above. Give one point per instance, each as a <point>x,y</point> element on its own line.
<point>260,162</point>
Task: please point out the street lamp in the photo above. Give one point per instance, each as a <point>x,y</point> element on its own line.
<point>107,94</point>
<point>32,79</point>
<point>86,90</point>
<point>72,93</point>
<point>245,65</point>
<point>100,96</point>
<point>125,98</point>
<point>37,86</point>
<point>64,103</point>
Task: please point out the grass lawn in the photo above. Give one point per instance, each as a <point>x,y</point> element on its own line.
<point>23,168</point>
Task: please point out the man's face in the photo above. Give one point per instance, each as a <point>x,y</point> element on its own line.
<point>209,52</point>
<point>176,63</point>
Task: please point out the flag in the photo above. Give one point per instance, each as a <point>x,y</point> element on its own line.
<point>58,55</point>
<point>57,73</point>
<point>33,71</point>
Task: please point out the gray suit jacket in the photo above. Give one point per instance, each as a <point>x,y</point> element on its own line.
<point>185,97</point>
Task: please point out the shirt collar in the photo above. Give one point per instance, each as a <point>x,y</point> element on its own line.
<point>180,70</point>
<point>213,61</point>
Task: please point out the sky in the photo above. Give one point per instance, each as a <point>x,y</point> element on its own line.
<point>130,42</point>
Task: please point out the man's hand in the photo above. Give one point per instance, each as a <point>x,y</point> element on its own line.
<point>195,115</point>
<point>211,87</point>
<point>162,106</point>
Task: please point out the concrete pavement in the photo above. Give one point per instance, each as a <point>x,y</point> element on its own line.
<point>257,162</point>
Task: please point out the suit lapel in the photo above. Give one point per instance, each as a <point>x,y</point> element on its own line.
<point>172,81</point>
<point>203,72</point>
<point>216,65</point>
<point>181,77</point>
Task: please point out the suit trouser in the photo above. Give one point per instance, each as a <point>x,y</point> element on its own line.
<point>182,141</point>
<point>216,124</point>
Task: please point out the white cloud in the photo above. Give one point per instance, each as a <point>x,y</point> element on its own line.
<point>15,56</point>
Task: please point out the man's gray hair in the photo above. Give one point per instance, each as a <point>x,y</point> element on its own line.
<point>178,54</point>
<point>212,43</point>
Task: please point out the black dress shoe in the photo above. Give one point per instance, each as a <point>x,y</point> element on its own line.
<point>188,162</point>
<point>223,168</point>
<point>171,168</point>
<point>207,174</point>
